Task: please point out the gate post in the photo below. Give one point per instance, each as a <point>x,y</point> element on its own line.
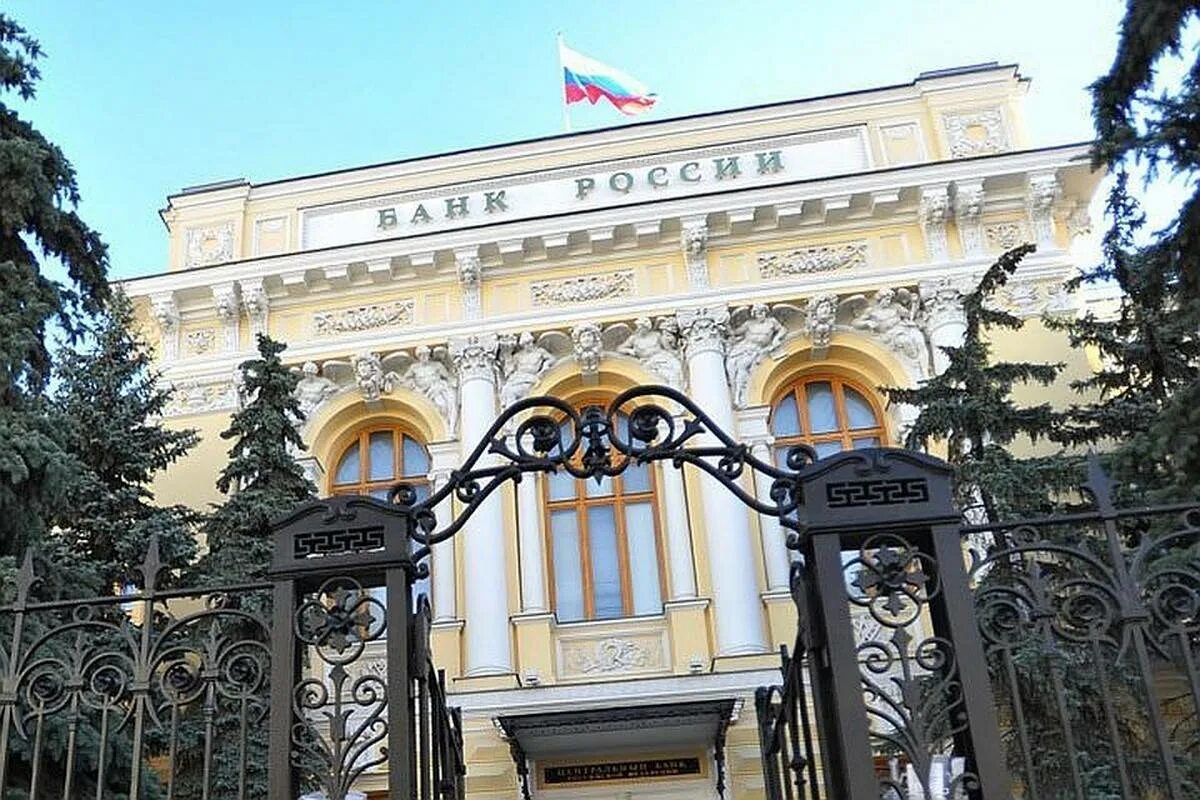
<point>327,557</point>
<point>882,536</point>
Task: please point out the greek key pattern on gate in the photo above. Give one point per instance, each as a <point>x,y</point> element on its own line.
<point>315,544</point>
<point>901,491</point>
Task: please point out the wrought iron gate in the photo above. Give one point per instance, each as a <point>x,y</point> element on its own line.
<point>1045,658</point>
<point>1078,625</point>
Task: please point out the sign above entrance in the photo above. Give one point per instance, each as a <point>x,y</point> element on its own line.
<point>633,770</point>
<point>589,187</point>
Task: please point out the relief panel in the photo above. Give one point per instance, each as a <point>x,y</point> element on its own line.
<point>613,653</point>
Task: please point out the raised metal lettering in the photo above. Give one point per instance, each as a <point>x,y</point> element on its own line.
<point>495,201</point>
<point>620,182</point>
<point>387,218</point>
<point>420,215</point>
<point>690,172</point>
<point>769,163</point>
<point>657,177</point>
<point>583,187</point>
<point>727,167</point>
<point>456,207</point>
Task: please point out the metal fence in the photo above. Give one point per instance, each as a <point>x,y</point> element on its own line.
<point>178,693</point>
<point>1087,643</point>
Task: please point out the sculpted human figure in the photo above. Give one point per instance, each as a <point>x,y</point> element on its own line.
<point>892,316</point>
<point>523,365</point>
<point>313,388</point>
<point>431,378</point>
<point>656,350</point>
<point>753,339</point>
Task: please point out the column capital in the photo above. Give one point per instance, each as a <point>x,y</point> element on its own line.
<point>704,329</point>
<point>474,357</point>
<point>942,302</point>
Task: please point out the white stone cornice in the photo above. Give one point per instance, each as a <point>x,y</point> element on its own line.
<point>645,220</point>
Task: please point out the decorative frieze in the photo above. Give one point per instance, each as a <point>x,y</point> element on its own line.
<point>209,245</point>
<point>1003,236</point>
<point>395,314</point>
<point>200,342</point>
<point>582,289</point>
<point>615,655</point>
<point>201,397</point>
<point>975,133</point>
<point>814,259</point>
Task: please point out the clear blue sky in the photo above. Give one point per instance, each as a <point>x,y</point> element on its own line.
<point>146,97</point>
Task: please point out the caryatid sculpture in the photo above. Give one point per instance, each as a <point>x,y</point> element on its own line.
<point>313,388</point>
<point>522,365</point>
<point>758,335</point>
<point>657,349</point>
<point>431,378</point>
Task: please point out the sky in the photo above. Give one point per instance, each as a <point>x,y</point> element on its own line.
<point>148,97</point>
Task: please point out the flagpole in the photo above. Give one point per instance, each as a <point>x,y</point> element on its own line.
<point>562,91</point>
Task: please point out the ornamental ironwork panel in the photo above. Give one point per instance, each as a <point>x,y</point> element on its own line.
<point>1090,624</point>
<point>156,693</point>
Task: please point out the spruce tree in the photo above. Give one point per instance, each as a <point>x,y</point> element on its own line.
<point>1143,406</point>
<point>970,407</point>
<point>110,403</point>
<point>38,195</point>
<point>262,479</point>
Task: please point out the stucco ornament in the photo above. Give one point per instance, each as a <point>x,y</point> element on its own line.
<point>470,275</point>
<point>589,346</point>
<point>431,377</point>
<point>657,349</point>
<point>891,315</point>
<point>750,341</point>
<point>694,240</point>
<point>313,388</point>
<point>370,377</point>
<point>942,302</point>
<point>820,320</point>
<point>522,363</point>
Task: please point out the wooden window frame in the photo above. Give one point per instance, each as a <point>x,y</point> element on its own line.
<point>363,438</point>
<point>844,434</point>
<point>618,499</point>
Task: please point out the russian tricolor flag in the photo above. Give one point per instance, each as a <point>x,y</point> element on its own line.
<point>587,79</point>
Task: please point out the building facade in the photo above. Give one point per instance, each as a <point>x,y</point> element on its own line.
<point>778,264</point>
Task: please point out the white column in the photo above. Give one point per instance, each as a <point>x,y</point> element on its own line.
<point>533,545</point>
<point>945,320</point>
<point>489,646</point>
<point>736,603</point>
<point>445,604</point>
<point>774,539</point>
<point>679,534</point>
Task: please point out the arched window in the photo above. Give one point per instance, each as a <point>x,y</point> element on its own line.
<point>376,459</point>
<point>604,544</point>
<point>828,412</point>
